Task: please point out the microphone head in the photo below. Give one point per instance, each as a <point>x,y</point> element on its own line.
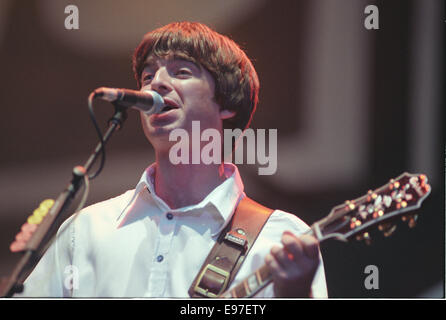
<point>147,101</point>
<point>158,102</point>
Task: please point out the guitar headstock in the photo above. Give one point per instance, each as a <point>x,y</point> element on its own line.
<point>378,208</point>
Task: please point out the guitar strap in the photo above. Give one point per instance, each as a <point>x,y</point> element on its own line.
<point>230,249</point>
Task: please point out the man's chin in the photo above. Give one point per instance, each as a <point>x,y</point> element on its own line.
<point>159,135</point>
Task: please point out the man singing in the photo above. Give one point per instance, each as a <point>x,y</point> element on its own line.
<point>152,241</point>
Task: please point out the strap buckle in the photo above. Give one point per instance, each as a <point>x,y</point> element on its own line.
<point>216,276</point>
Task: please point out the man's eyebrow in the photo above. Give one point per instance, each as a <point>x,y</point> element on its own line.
<point>183,57</point>
<point>151,61</point>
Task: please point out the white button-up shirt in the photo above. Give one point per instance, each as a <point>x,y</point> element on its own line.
<point>135,245</point>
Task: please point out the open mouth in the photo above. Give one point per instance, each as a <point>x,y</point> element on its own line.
<point>168,108</point>
<point>169,105</point>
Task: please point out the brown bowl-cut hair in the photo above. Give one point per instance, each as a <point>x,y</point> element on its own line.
<point>236,81</point>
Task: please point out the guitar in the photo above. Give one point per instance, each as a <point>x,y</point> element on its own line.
<point>355,218</point>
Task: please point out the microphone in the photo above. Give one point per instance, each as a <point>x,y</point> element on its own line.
<point>148,101</point>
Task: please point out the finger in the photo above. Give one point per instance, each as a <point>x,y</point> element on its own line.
<point>281,256</point>
<point>310,246</point>
<point>292,246</point>
<point>305,244</point>
<point>278,272</point>
<point>272,263</point>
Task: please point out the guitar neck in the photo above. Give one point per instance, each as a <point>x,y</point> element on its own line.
<point>255,282</point>
<point>251,285</point>
<point>354,218</point>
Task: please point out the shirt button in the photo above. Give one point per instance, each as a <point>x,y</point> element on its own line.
<point>169,216</point>
<point>159,258</point>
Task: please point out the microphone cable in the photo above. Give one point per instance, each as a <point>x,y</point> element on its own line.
<point>99,133</point>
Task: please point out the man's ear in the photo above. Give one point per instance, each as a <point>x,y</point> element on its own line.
<point>226,114</point>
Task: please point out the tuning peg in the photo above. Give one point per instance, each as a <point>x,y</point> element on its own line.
<point>366,237</point>
<point>387,229</point>
<point>411,220</point>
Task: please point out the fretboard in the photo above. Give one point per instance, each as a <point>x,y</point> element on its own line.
<point>251,285</point>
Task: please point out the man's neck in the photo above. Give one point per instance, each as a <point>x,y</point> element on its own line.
<point>182,185</point>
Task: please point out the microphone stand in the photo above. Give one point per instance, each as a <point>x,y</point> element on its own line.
<point>38,240</point>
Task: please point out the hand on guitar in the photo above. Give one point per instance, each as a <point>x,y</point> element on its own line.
<point>293,267</point>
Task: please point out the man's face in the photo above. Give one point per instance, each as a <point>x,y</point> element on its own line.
<point>187,90</point>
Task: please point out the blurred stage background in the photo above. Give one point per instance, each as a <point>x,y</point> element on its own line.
<point>353,108</point>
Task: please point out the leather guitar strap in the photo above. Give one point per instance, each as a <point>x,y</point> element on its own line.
<point>230,249</point>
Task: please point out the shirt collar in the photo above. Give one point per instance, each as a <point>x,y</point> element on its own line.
<point>224,198</point>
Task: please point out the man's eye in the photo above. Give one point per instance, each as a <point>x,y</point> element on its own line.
<point>147,77</point>
<point>183,72</point>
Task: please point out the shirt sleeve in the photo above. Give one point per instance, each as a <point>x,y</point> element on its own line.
<point>271,233</point>
<point>54,275</point>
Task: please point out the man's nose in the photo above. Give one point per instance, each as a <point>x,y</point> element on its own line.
<point>161,81</point>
